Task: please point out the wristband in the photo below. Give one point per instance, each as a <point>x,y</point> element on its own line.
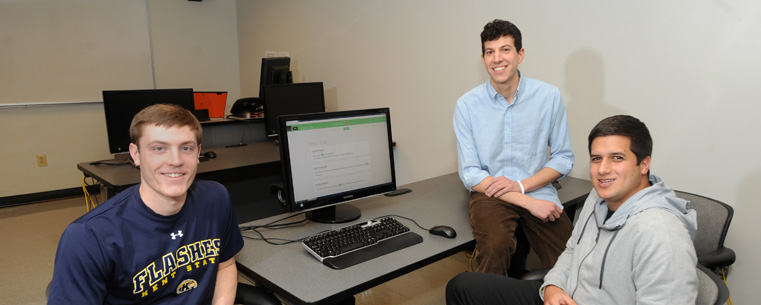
<point>523,191</point>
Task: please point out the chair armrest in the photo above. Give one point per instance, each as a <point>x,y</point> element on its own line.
<point>535,275</point>
<point>720,291</point>
<point>721,257</point>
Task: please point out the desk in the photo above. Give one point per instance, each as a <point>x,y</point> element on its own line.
<point>246,171</point>
<point>296,276</point>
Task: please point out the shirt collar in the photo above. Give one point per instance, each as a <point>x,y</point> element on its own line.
<point>494,95</point>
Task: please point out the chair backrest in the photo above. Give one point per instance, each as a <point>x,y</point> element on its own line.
<point>711,290</point>
<point>713,221</point>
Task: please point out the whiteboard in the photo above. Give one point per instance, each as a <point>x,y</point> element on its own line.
<point>70,51</point>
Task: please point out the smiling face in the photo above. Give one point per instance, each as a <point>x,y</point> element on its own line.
<point>168,160</point>
<point>614,171</point>
<point>501,60</point>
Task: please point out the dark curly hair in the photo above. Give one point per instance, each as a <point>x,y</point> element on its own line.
<point>498,28</point>
<point>627,126</point>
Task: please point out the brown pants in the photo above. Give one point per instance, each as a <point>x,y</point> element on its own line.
<point>494,222</point>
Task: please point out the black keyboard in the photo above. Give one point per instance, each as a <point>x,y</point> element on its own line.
<point>357,243</point>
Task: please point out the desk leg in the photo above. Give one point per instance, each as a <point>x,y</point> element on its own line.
<point>103,192</point>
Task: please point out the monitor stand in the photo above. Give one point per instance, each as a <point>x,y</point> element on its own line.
<point>335,214</point>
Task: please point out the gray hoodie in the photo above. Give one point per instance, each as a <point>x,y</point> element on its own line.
<point>643,254</point>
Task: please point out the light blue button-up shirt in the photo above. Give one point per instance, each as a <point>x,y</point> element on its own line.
<point>496,139</point>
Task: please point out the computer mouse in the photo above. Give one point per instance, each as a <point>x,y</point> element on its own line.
<point>210,154</point>
<point>242,114</point>
<point>442,230</point>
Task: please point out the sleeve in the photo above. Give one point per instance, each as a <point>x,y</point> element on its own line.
<point>561,152</point>
<point>232,241</point>
<point>558,275</point>
<point>80,274</point>
<point>664,260</point>
<point>469,165</point>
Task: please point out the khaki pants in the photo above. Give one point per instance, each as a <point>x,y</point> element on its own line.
<point>494,222</point>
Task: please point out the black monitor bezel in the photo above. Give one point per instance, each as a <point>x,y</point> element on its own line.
<point>118,136</point>
<point>270,119</point>
<point>339,198</point>
<point>269,66</point>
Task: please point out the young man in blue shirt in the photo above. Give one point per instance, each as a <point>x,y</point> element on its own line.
<point>505,129</point>
<point>167,240</point>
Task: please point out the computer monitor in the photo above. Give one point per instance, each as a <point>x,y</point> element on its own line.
<point>213,101</point>
<point>120,106</point>
<point>331,158</point>
<point>275,70</point>
<point>290,99</point>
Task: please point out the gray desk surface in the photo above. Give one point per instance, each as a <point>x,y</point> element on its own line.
<point>120,177</point>
<point>297,276</point>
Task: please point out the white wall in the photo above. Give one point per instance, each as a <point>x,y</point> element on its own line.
<point>686,68</point>
<point>184,44</point>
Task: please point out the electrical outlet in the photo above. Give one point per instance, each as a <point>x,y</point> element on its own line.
<point>42,160</point>
<point>269,53</point>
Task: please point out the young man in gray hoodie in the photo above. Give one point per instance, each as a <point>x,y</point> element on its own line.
<point>632,243</point>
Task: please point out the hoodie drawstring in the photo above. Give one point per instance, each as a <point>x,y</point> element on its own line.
<point>605,256</point>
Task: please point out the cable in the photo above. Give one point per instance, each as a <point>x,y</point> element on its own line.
<point>274,226</point>
<point>410,219</point>
<point>89,204</point>
<point>724,277</point>
<point>94,197</point>
<point>273,223</point>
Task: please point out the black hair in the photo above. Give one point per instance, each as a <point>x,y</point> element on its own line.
<point>627,126</point>
<point>498,28</point>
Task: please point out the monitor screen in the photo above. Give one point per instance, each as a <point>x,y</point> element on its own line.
<point>333,157</point>
<point>120,106</point>
<point>213,101</point>
<point>290,99</point>
<point>275,70</point>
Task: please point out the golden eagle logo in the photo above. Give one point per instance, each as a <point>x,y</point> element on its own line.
<point>186,286</point>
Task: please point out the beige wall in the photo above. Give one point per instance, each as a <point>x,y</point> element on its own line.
<point>185,44</point>
<point>688,69</point>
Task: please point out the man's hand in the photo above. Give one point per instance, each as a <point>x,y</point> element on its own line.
<point>544,210</point>
<point>553,295</point>
<point>499,186</point>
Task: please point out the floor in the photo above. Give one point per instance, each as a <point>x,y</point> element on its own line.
<point>30,236</point>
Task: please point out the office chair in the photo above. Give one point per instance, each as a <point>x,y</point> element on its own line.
<point>714,218</point>
<point>711,289</point>
<point>246,295</point>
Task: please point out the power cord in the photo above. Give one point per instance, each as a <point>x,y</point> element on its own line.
<point>724,277</point>
<point>90,203</point>
<point>275,226</point>
<point>410,219</point>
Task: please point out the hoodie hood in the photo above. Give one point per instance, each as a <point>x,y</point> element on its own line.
<point>657,196</point>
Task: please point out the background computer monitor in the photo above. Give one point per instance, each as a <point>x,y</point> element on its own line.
<point>334,157</point>
<point>290,99</point>
<point>121,105</point>
<point>213,101</point>
<point>275,70</point>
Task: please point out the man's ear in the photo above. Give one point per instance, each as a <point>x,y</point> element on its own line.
<point>134,152</point>
<point>521,54</point>
<point>644,166</point>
